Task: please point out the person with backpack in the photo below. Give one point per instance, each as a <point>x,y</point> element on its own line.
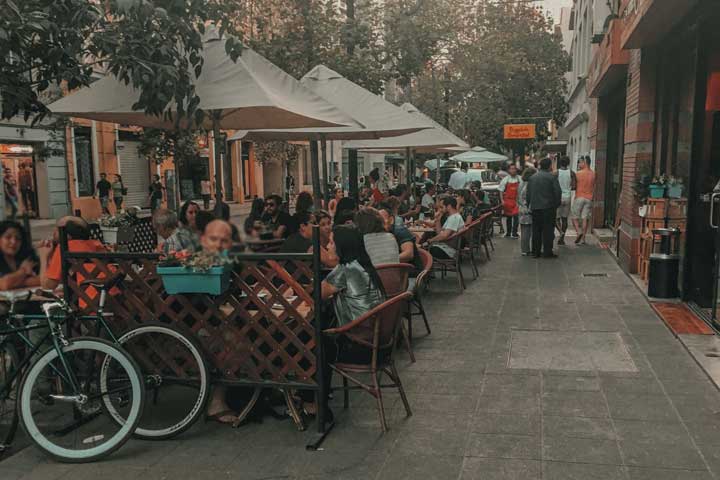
<point>568,182</point>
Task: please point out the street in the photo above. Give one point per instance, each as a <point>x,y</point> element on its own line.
<point>535,372</point>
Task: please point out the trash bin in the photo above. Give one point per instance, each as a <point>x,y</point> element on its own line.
<point>664,268</point>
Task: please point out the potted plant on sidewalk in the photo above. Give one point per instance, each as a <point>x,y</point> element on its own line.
<point>200,272</point>
<point>658,187</point>
<point>674,187</point>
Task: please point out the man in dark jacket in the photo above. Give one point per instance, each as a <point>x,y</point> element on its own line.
<point>544,195</point>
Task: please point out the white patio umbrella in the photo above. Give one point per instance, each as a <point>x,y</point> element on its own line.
<point>379,117</point>
<point>479,156</point>
<point>436,139</point>
<point>249,93</point>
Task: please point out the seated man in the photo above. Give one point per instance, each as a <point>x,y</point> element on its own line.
<point>78,234</point>
<point>301,242</point>
<point>280,223</point>
<point>437,246</point>
<point>217,238</point>
<point>175,238</point>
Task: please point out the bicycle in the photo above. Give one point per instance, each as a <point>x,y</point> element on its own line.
<point>172,366</point>
<point>60,400</point>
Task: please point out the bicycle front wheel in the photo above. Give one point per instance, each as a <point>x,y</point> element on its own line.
<point>176,380</point>
<point>62,400</point>
<point>9,382</point>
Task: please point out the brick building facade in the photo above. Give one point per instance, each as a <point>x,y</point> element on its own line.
<point>653,112</point>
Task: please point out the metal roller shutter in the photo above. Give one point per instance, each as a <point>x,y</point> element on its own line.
<point>135,174</point>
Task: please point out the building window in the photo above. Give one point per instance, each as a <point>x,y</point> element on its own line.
<point>85,175</point>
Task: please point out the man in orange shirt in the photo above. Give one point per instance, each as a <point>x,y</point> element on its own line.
<point>78,233</point>
<point>582,206</point>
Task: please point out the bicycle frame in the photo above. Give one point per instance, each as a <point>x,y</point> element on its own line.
<point>15,332</point>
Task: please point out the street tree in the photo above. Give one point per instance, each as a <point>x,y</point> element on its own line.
<point>504,63</point>
<point>153,45</point>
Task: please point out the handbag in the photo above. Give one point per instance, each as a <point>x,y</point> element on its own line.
<point>123,190</point>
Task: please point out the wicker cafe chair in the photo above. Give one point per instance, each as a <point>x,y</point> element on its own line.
<point>419,289</point>
<point>377,331</point>
<point>443,265</point>
<point>470,238</point>
<point>395,279</point>
<point>486,233</point>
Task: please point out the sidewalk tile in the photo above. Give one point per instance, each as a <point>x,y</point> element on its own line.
<point>491,445</point>
<point>582,471</point>
<point>475,468</point>
<point>581,450</point>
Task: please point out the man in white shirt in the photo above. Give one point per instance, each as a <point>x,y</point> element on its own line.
<point>459,179</point>
<point>567,180</point>
<point>437,246</point>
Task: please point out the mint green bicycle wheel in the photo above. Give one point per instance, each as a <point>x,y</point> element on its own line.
<point>72,425</point>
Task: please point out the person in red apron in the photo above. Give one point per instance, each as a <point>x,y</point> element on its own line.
<point>509,189</point>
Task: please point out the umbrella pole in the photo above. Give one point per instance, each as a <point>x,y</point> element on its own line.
<point>218,164</point>
<point>407,165</point>
<point>323,158</point>
<point>315,172</point>
<point>437,171</point>
<point>353,167</point>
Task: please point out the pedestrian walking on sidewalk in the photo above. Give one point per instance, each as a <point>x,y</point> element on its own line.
<point>525,213</point>
<point>509,188</point>
<point>582,207</point>
<point>544,194</point>
<point>102,191</point>
<point>568,182</point>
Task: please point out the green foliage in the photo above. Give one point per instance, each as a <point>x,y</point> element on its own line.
<point>301,34</point>
<point>157,145</point>
<point>504,61</point>
<point>277,152</point>
<point>153,45</point>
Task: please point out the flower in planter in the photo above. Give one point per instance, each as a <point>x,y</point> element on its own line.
<point>197,261</point>
<point>121,219</point>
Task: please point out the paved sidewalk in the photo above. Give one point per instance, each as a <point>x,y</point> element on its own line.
<point>602,390</point>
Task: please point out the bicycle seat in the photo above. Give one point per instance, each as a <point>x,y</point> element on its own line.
<point>104,283</point>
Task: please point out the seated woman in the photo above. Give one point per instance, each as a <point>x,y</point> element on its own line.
<point>327,247</point>
<point>380,244</point>
<point>355,288</point>
<point>18,261</point>
<point>188,213</point>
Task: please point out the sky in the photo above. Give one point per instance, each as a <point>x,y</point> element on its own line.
<point>554,6</point>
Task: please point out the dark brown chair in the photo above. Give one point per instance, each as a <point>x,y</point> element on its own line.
<point>486,234</point>
<point>377,331</point>
<point>444,265</point>
<point>471,238</point>
<point>395,279</point>
<point>419,289</point>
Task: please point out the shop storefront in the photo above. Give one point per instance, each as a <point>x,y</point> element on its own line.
<point>19,174</point>
<point>33,162</point>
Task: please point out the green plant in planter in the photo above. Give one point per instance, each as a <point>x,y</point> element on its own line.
<point>121,219</point>
<point>674,187</point>
<point>201,272</point>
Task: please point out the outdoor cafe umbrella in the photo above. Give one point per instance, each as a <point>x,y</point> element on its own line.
<point>379,118</point>
<point>479,156</point>
<point>433,140</point>
<point>250,93</point>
